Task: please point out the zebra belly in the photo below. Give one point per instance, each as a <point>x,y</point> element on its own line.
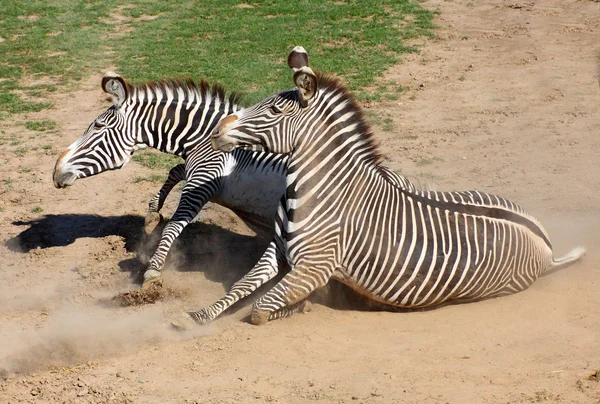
<point>253,190</point>
<point>468,258</point>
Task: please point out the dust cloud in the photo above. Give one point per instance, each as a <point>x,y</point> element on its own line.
<point>72,335</point>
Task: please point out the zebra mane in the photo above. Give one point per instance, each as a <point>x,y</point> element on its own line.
<point>328,83</point>
<point>190,88</point>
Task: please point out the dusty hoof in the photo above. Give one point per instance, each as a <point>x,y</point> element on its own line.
<point>152,220</point>
<point>305,307</point>
<point>259,317</point>
<point>152,279</point>
<point>183,322</point>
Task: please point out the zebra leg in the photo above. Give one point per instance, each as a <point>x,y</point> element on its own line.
<point>194,196</point>
<point>265,270</point>
<point>302,307</point>
<point>153,217</point>
<point>287,297</point>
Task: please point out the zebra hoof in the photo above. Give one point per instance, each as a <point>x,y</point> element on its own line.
<point>151,221</point>
<point>183,322</point>
<point>259,317</point>
<point>305,307</point>
<point>152,279</point>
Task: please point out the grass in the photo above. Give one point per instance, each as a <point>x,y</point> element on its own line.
<point>245,48</point>
<point>427,161</point>
<point>381,119</point>
<point>156,160</point>
<point>156,178</point>
<point>20,151</point>
<point>46,43</point>
<point>40,126</point>
<point>240,45</point>
<point>37,209</point>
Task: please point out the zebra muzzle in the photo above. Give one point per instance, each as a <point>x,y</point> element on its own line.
<point>63,179</point>
<point>221,143</point>
<point>219,139</point>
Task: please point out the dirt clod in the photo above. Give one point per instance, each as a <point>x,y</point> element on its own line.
<point>153,293</point>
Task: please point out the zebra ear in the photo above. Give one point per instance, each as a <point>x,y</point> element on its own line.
<point>297,59</point>
<point>115,86</point>
<point>306,81</point>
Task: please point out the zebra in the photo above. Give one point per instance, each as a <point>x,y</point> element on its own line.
<point>176,116</point>
<point>342,217</point>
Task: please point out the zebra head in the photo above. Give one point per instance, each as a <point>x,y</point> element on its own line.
<point>105,145</point>
<point>271,125</point>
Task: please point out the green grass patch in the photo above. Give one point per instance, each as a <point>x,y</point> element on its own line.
<point>37,209</point>
<point>40,126</point>
<point>20,151</point>
<point>240,45</point>
<point>427,161</point>
<point>156,160</point>
<point>48,43</point>
<point>244,45</point>
<point>381,119</point>
<point>156,178</point>
<point>8,184</point>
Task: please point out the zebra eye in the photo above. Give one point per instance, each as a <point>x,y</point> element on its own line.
<point>274,109</point>
<point>98,125</point>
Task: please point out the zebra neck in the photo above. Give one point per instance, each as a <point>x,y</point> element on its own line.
<point>322,184</point>
<point>176,125</point>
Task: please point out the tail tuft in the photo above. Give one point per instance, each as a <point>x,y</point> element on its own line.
<point>572,256</point>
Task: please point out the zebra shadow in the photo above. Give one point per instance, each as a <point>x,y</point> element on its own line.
<point>62,230</point>
<point>221,255</point>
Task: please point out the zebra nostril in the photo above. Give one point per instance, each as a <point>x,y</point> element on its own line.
<point>63,179</point>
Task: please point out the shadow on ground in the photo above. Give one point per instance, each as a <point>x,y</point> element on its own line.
<point>62,230</point>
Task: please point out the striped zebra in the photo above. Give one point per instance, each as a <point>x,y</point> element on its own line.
<point>176,117</point>
<point>341,217</point>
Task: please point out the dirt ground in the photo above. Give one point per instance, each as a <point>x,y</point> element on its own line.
<point>506,102</point>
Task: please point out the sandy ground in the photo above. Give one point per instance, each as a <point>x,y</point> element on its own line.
<point>506,102</point>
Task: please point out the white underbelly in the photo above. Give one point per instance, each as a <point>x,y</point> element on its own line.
<point>253,191</point>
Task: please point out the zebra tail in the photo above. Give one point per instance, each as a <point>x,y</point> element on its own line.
<point>570,257</point>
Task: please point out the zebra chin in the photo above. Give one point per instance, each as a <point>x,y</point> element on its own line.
<point>63,179</point>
